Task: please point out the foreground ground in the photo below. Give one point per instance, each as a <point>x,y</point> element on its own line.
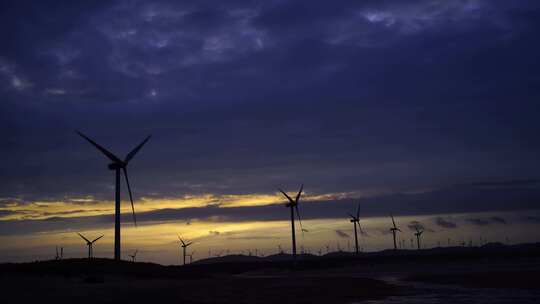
<point>473,275</point>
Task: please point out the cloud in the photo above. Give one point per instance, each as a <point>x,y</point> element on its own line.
<point>413,225</point>
<point>487,221</point>
<point>439,221</point>
<point>533,219</point>
<point>226,72</point>
<point>341,234</point>
<point>253,238</point>
<point>4,213</point>
<point>499,220</point>
<point>507,183</point>
<point>478,221</point>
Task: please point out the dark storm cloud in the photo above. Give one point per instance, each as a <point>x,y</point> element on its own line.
<point>445,223</point>
<point>241,98</point>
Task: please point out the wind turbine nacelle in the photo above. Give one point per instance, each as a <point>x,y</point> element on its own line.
<point>115,166</point>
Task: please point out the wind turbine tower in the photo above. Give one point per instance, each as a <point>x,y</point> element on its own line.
<point>118,165</point>
<point>418,234</point>
<point>134,256</point>
<point>356,221</point>
<point>394,230</point>
<point>184,245</point>
<point>90,245</point>
<point>293,205</point>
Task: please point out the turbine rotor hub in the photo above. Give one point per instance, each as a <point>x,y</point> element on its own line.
<point>116,166</point>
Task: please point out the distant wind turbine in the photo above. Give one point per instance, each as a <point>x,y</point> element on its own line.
<point>90,245</point>
<point>184,246</point>
<point>418,233</point>
<point>134,256</point>
<point>394,230</point>
<point>356,220</point>
<point>59,255</point>
<point>118,165</point>
<point>191,256</point>
<point>293,204</point>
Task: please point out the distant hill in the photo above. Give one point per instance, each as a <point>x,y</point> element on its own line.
<point>233,264</point>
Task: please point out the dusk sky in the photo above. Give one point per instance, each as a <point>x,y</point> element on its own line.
<point>425,109</point>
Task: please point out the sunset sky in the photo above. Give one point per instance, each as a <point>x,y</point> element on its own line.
<point>425,109</point>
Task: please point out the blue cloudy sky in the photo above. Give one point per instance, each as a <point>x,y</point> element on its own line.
<point>424,109</point>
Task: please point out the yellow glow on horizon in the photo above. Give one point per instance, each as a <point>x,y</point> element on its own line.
<point>87,206</point>
<point>158,241</point>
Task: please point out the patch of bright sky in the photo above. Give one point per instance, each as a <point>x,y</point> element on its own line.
<point>158,242</point>
<point>89,207</point>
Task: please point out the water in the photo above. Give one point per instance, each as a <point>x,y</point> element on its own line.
<point>434,293</point>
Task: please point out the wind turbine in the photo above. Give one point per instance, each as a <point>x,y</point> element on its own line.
<point>418,233</point>
<point>118,165</point>
<point>293,204</point>
<point>356,220</point>
<point>394,230</point>
<point>90,245</point>
<point>134,256</point>
<point>184,246</point>
<point>191,256</point>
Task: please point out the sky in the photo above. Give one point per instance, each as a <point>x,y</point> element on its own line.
<point>427,110</point>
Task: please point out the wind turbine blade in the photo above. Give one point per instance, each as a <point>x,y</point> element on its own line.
<point>130,196</point>
<point>360,228</point>
<point>358,211</point>
<point>287,196</point>
<point>352,216</point>
<point>83,237</point>
<point>100,148</point>
<point>189,244</point>
<point>134,151</point>
<point>299,193</point>
<point>299,219</point>
<point>393,222</point>
<point>97,239</point>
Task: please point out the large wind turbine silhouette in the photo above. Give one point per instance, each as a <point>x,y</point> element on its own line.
<point>293,204</point>
<point>184,246</point>
<point>90,245</point>
<point>418,233</point>
<point>118,165</point>
<point>394,230</point>
<point>356,220</point>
